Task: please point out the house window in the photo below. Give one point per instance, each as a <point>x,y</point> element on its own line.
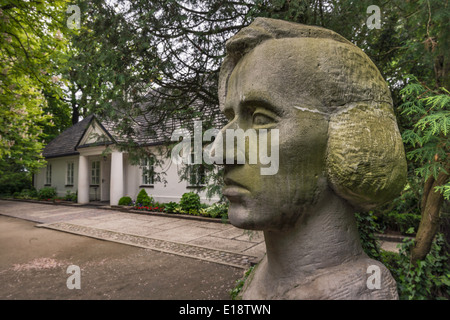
<point>48,174</point>
<point>95,173</point>
<point>69,174</point>
<point>147,171</point>
<point>196,174</point>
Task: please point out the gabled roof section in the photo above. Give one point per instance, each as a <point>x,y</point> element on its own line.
<point>145,132</point>
<point>91,132</point>
<point>87,132</point>
<point>65,144</point>
<point>95,134</point>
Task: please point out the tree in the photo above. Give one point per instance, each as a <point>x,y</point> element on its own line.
<point>31,46</point>
<point>158,58</point>
<point>431,152</point>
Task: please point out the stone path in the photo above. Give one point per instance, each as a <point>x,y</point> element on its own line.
<point>201,239</point>
<point>205,239</point>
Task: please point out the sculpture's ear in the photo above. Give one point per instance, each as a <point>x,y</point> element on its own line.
<point>366,161</point>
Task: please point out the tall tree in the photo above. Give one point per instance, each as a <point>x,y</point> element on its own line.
<point>31,43</point>
<point>136,58</point>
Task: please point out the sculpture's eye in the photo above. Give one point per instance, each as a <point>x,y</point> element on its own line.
<point>262,119</point>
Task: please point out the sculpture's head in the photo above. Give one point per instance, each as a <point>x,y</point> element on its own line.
<point>334,115</point>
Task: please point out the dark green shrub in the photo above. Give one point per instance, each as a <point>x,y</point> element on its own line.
<point>367,227</point>
<point>170,207</point>
<point>144,199</point>
<point>125,201</point>
<point>47,193</point>
<point>401,222</point>
<point>12,179</point>
<point>194,212</point>
<point>190,201</point>
<point>427,279</point>
<point>218,210</point>
<point>70,196</point>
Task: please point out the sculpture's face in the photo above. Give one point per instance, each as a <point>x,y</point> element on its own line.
<point>265,92</point>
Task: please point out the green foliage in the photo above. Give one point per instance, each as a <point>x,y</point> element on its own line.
<point>217,210</point>
<point>445,190</point>
<point>367,227</point>
<point>194,212</point>
<point>26,194</point>
<point>426,279</point>
<point>46,193</point>
<point>190,201</point>
<point>29,193</point>
<point>144,199</point>
<point>32,45</point>
<point>234,293</point>
<point>70,196</point>
<point>430,110</point>
<point>170,207</point>
<point>178,209</point>
<point>13,178</point>
<point>125,201</point>
<point>401,222</point>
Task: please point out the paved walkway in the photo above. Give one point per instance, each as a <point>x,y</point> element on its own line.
<point>203,239</point>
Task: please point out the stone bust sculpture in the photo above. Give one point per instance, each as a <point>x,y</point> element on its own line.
<point>340,152</point>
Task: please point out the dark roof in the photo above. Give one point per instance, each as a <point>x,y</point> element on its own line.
<point>67,141</point>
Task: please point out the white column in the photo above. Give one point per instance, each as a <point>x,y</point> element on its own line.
<point>83,180</point>
<point>116,182</point>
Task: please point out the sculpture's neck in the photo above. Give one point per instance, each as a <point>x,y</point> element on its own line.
<point>322,238</point>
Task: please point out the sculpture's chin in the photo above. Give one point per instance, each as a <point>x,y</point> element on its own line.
<point>243,218</point>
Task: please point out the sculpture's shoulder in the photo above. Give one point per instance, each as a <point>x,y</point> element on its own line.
<point>362,279</point>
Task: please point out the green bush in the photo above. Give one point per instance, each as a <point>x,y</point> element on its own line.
<point>367,227</point>
<point>26,194</point>
<point>47,193</point>
<point>217,210</point>
<point>170,207</point>
<point>190,201</point>
<point>428,279</point>
<point>125,201</point>
<point>70,196</point>
<point>144,199</point>
<point>11,180</point>
<point>401,222</point>
<point>194,212</point>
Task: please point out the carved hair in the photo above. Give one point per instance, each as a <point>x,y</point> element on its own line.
<point>365,156</point>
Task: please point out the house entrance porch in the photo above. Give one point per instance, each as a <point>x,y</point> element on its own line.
<point>100,176</point>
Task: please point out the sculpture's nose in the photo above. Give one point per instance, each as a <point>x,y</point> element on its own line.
<point>224,148</point>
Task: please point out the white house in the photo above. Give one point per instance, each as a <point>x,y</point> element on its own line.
<point>84,159</point>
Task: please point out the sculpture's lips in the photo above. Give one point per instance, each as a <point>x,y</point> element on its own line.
<point>234,189</point>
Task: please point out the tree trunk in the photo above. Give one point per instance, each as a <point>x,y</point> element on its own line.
<point>431,205</point>
<point>75,109</point>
